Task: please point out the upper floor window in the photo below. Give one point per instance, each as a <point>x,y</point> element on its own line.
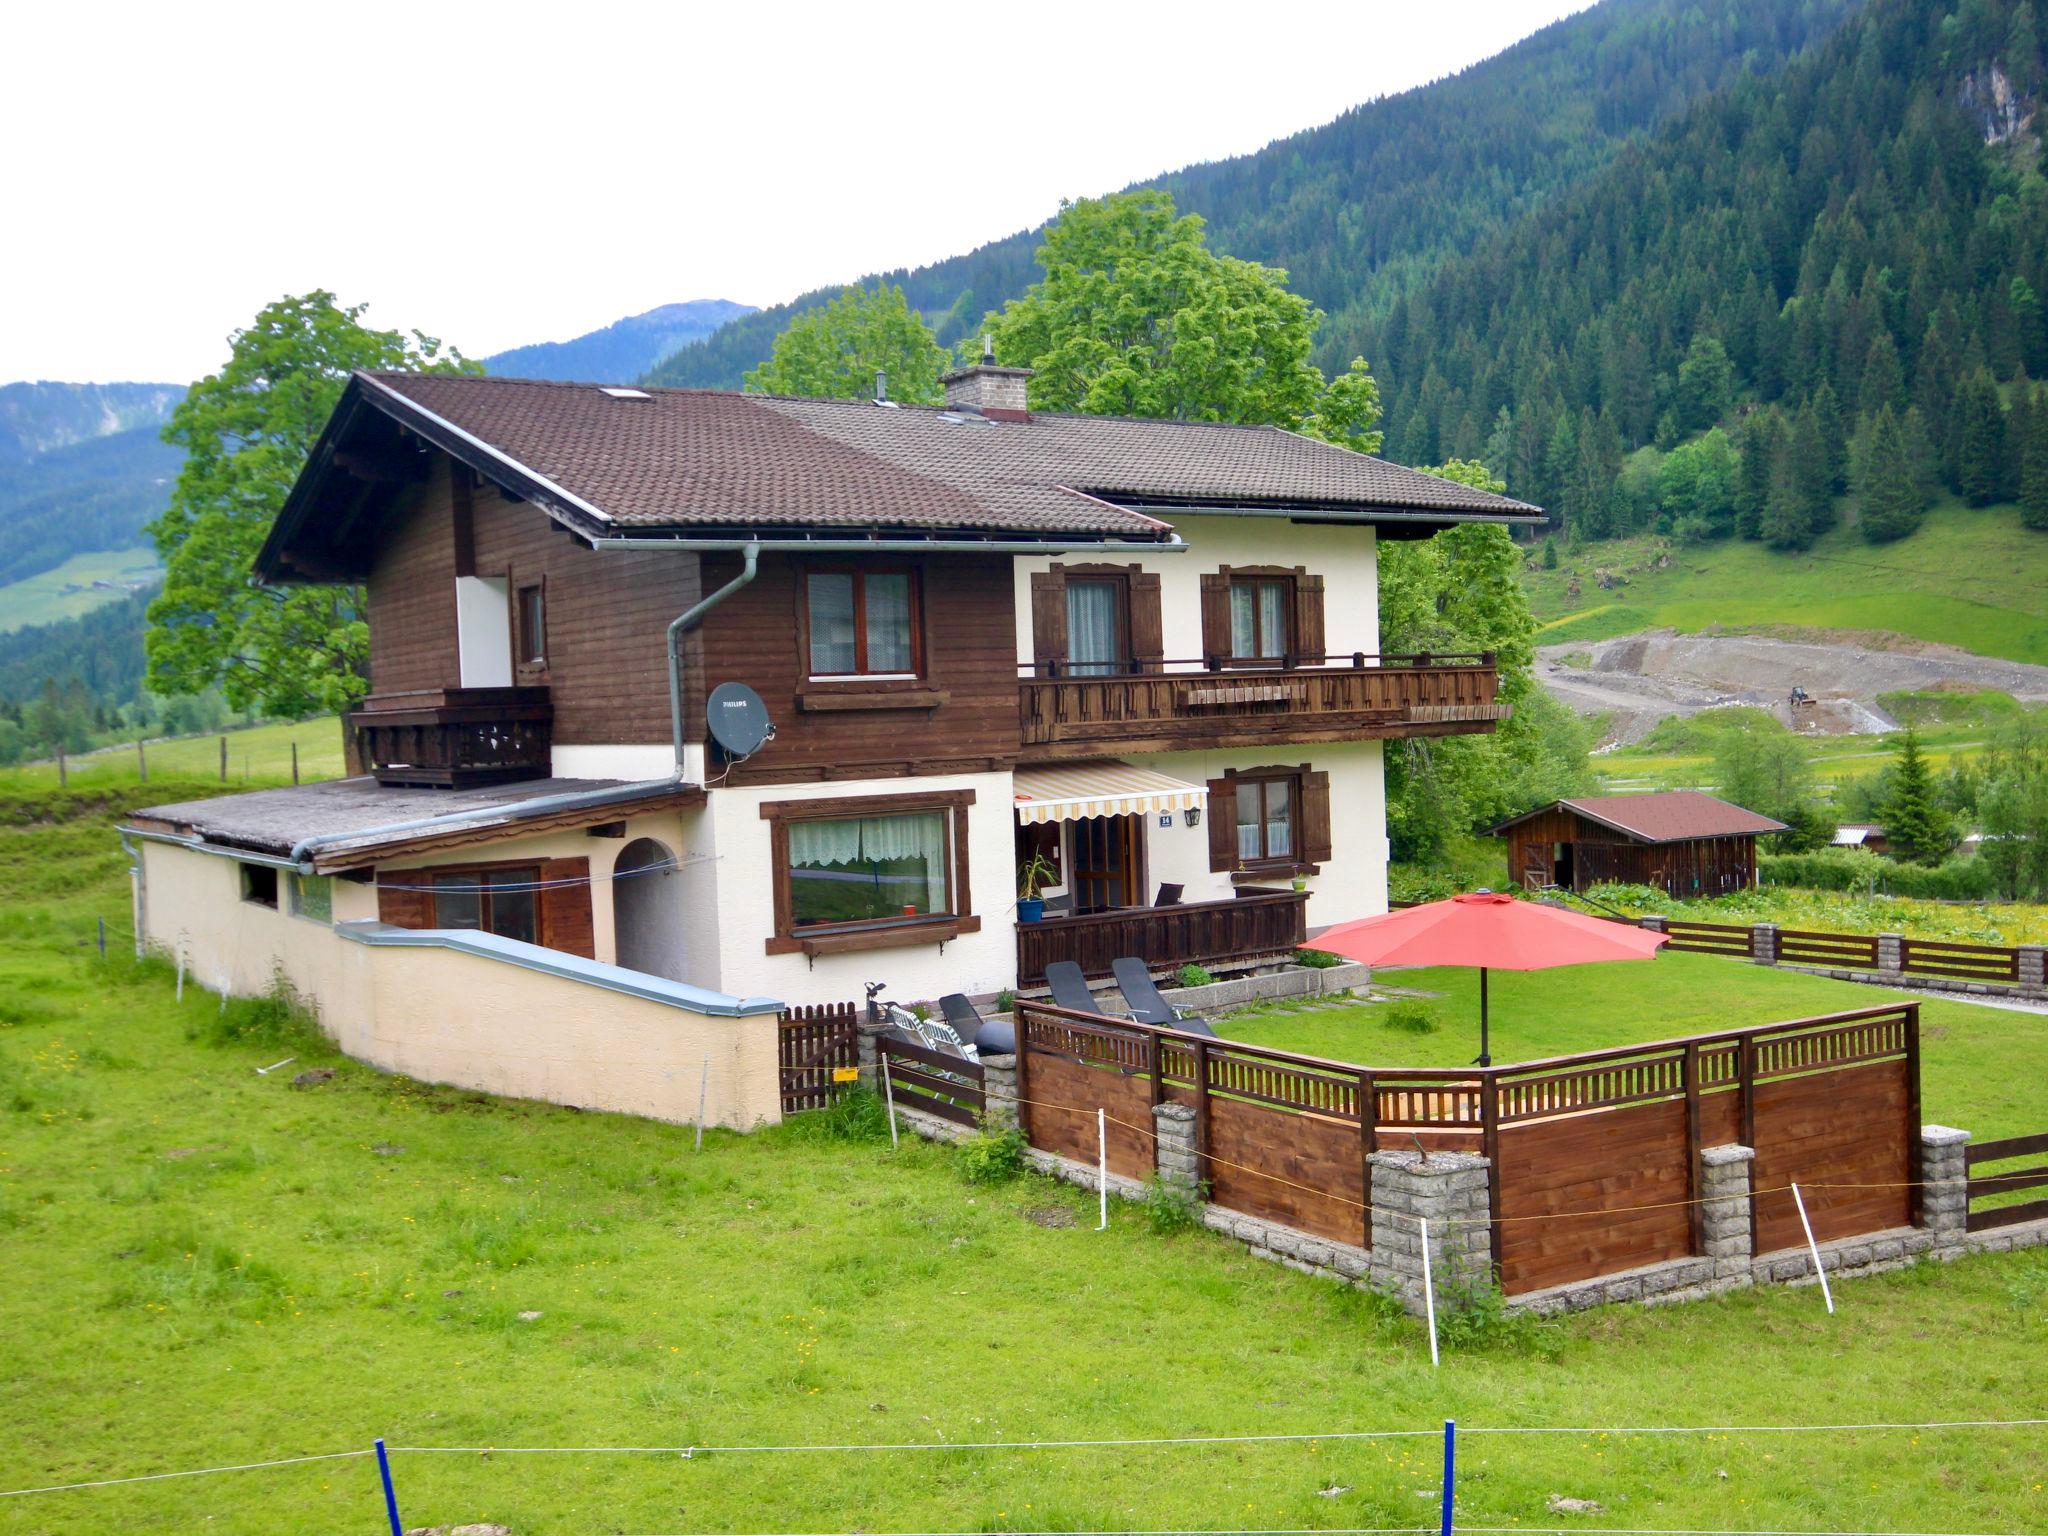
<point>531,629</point>
<point>1261,617</point>
<point>1096,624</point>
<point>862,623</point>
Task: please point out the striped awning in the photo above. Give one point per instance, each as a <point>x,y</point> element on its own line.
<point>1073,791</point>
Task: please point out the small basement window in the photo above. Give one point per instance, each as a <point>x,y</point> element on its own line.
<point>259,885</point>
<point>313,898</point>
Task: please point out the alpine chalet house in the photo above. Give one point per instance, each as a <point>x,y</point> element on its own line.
<point>709,703</point>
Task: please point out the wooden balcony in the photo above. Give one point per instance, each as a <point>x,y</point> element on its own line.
<point>1167,704</point>
<point>455,738</point>
<point>1251,926</point>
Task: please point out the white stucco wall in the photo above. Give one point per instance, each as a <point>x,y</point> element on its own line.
<point>738,884</point>
<point>1345,558</point>
<point>450,1016</point>
<point>1351,883</point>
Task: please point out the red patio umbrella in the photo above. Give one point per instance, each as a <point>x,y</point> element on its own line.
<point>1487,930</point>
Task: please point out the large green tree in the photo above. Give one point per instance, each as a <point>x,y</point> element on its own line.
<point>835,351</point>
<point>1136,316</point>
<point>1914,824</point>
<point>246,431</point>
<point>1890,493</point>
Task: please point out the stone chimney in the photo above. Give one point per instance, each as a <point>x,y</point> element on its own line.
<point>997,393</point>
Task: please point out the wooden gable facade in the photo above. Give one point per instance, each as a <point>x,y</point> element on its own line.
<point>1560,847</point>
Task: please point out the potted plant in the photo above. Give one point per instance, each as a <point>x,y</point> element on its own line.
<point>1033,876</point>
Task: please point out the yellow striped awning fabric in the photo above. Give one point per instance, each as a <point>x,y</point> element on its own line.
<point>1074,791</point>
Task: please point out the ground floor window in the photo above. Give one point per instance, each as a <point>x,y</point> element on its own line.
<point>867,868</point>
<point>1265,819</point>
<point>499,901</point>
<point>259,885</point>
<point>313,898</point>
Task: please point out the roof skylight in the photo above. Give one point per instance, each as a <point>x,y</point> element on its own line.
<point>626,394</point>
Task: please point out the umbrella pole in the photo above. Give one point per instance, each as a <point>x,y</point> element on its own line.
<point>1485,1051</point>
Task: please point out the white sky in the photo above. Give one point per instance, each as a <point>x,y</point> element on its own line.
<point>515,172</point>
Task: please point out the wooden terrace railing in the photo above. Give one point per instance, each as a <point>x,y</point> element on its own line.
<point>1241,927</point>
<point>1071,710</point>
<point>455,738</point>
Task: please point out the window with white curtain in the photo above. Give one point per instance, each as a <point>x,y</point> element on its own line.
<point>1259,627</point>
<point>1265,819</point>
<point>867,868</point>
<point>1095,626</point>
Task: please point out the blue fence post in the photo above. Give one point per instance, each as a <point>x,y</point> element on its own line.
<point>391,1494</point>
<point>1450,1469</point>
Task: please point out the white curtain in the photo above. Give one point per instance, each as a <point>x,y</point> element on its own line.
<point>831,615</point>
<point>861,843</point>
<point>1092,627</point>
<point>888,623</point>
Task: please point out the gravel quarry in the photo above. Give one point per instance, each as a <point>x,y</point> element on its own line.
<point>1637,680</point>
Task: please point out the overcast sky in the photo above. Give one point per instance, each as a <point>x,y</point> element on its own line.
<point>506,173</point>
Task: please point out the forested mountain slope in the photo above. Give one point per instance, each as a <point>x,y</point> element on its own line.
<point>1867,228</point>
<point>1362,207</point>
<point>621,351</point>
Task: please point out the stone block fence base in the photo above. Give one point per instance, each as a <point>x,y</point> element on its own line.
<point>1449,1191</point>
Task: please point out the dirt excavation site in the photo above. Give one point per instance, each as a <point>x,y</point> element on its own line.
<point>1637,680</point>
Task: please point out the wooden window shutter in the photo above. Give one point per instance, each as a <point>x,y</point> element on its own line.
<point>1049,617</point>
<point>1221,814</point>
<point>1315,816</point>
<point>1308,617</point>
<point>565,921</point>
<point>1148,624</point>
<point>1216,616</point>
<point>403,908</point>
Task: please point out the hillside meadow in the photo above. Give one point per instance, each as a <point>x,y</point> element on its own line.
<point>1969,577</point>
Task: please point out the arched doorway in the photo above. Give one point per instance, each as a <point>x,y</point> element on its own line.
<point>647,909</point>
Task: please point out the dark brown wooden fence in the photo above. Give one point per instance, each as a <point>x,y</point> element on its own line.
<point>932,1081</point>
<point>1968,962</point>
<point>2011,1181</point>
<point>1239,927</point>
<point>1710,938</point>
<point>817,1047</point>
<point>1595,1157</point>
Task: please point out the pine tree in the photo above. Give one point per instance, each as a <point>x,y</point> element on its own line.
<point>1913,822</point>
<point>1884,381</point>
<point>2034,464</point>
<point>1889,496</point>
<point>1759,443</point>
<point>1834,437</point>
<point>1980,441</point>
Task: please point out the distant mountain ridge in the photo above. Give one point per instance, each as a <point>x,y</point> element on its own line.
<point>41,416</point>
<point>621,351</point>
<point>1361,209</point>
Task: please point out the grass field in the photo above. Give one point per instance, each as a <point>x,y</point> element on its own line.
<point>1836,760</point>
<point>1971,578</point>
<point>209,1266</point>
<point>257,755</point>
<point>66,591</point>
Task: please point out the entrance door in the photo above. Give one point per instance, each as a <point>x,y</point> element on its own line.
<point>1104,868</point>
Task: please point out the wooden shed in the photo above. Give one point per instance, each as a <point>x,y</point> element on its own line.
<point>1687,842</point>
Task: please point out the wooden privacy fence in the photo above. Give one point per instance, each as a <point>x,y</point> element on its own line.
<point>1594,1158</point>
<point>1955,960</point>
<point>816,1046</point>
<point>935,1082</point>
<point>1982,1186</point>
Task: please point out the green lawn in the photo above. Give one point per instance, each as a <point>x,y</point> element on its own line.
<point>1984,1069</point>
<point>1969,577</point>
<point>209,1266</point>
<point>67,590</point>
<point>257,755</point>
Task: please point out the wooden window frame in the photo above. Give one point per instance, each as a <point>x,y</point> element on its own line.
<point>860,573</point>
<point>1306,639</point>
<point>1312,830</point>
<point>1267,863</point>
<point>1143,638</point>
<point>1254,577</point>
<point>524,665</point>
<point>883,933</point>
<point>432,874</point>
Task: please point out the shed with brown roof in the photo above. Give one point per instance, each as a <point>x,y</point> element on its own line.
<point>1684,841</point>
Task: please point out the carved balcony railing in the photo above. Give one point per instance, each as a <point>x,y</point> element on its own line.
<point>1253,925</point>
<point>455,738</point>
<point>1069,710</point>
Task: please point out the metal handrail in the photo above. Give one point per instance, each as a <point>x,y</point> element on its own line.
<point>1063,670</point>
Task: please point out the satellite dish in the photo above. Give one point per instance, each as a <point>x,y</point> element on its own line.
<point>738,719</point>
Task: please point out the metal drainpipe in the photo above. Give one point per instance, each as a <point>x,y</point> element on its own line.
<point>141,888</point>
<point>687,620</point>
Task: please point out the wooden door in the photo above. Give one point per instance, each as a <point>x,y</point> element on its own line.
<point>1103,872</point>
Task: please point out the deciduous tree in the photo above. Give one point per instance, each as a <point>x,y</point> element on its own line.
<point>833,352</point>
<point>246,432</point>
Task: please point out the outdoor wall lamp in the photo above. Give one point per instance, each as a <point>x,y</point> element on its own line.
<point>1193,815</point>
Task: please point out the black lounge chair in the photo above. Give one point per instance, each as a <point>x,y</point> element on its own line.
<point>992,1037</point>
<point>1169,895</point>
<point>1070,988</point>
<point>1134,980</point>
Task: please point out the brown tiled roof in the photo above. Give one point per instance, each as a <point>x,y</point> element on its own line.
<point>1667,816</point>
<point>699,458</point>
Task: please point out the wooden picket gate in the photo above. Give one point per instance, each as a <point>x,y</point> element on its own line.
<point>819,1052</point>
